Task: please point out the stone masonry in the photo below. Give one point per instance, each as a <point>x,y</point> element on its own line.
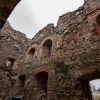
<point>12,47</point>
<point>57,63</point>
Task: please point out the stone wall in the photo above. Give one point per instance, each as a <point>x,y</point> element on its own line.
<point>6,7</point>
<point>13,45</point>
<point>58,63</point>
<point>74,54</point>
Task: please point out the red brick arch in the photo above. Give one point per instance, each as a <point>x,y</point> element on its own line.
<point>32,51</point>
<point>98,19</point>
<point>47,47</point>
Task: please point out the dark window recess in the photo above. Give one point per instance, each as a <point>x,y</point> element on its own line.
<point>16,98</point>
<point>42,79</point>
<point>12,61</point>
<point>47,46</point>
<point>32,51</point>
<point>22,79</point>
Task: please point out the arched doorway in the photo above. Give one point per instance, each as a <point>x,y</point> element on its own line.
<point>86,86</point>
<point>42,85</point>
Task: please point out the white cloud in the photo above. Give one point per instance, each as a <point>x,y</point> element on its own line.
<point>32,15</point>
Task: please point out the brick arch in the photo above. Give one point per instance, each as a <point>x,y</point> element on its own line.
<point>48,73</point>
<point>47,38</point>
<point>42,69</point>
<point>32,51</point>
<point>98,19</point>
<point>47,47</point>
<point>48,42</point>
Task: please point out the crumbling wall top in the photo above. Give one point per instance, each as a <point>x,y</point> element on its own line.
<point>71,20</point>
<point>45,32</point>
<point>91,5</point>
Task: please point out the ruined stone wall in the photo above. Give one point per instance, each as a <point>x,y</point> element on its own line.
<point>58,63</point>
<point>13,45</point>
<point>74,57</point>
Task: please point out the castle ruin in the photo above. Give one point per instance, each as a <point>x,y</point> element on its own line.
<point>57,63</point>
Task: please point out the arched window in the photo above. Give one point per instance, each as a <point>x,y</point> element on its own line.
<point>47,47</point>
<point>32,51</point>
<point>10,62</point>
<point>98,19</point>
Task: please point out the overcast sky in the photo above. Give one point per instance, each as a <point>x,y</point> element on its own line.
<point>95,83</point>
<point>30,16</point>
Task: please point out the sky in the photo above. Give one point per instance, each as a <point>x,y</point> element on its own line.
<point>30,16</point>
<point>95,83</point>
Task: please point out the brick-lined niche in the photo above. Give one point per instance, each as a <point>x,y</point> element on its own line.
<point>98,19</point>
<point>47,47</point>
<point>98,23</point>
<point>95,19</point>
<point>31,53</point>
